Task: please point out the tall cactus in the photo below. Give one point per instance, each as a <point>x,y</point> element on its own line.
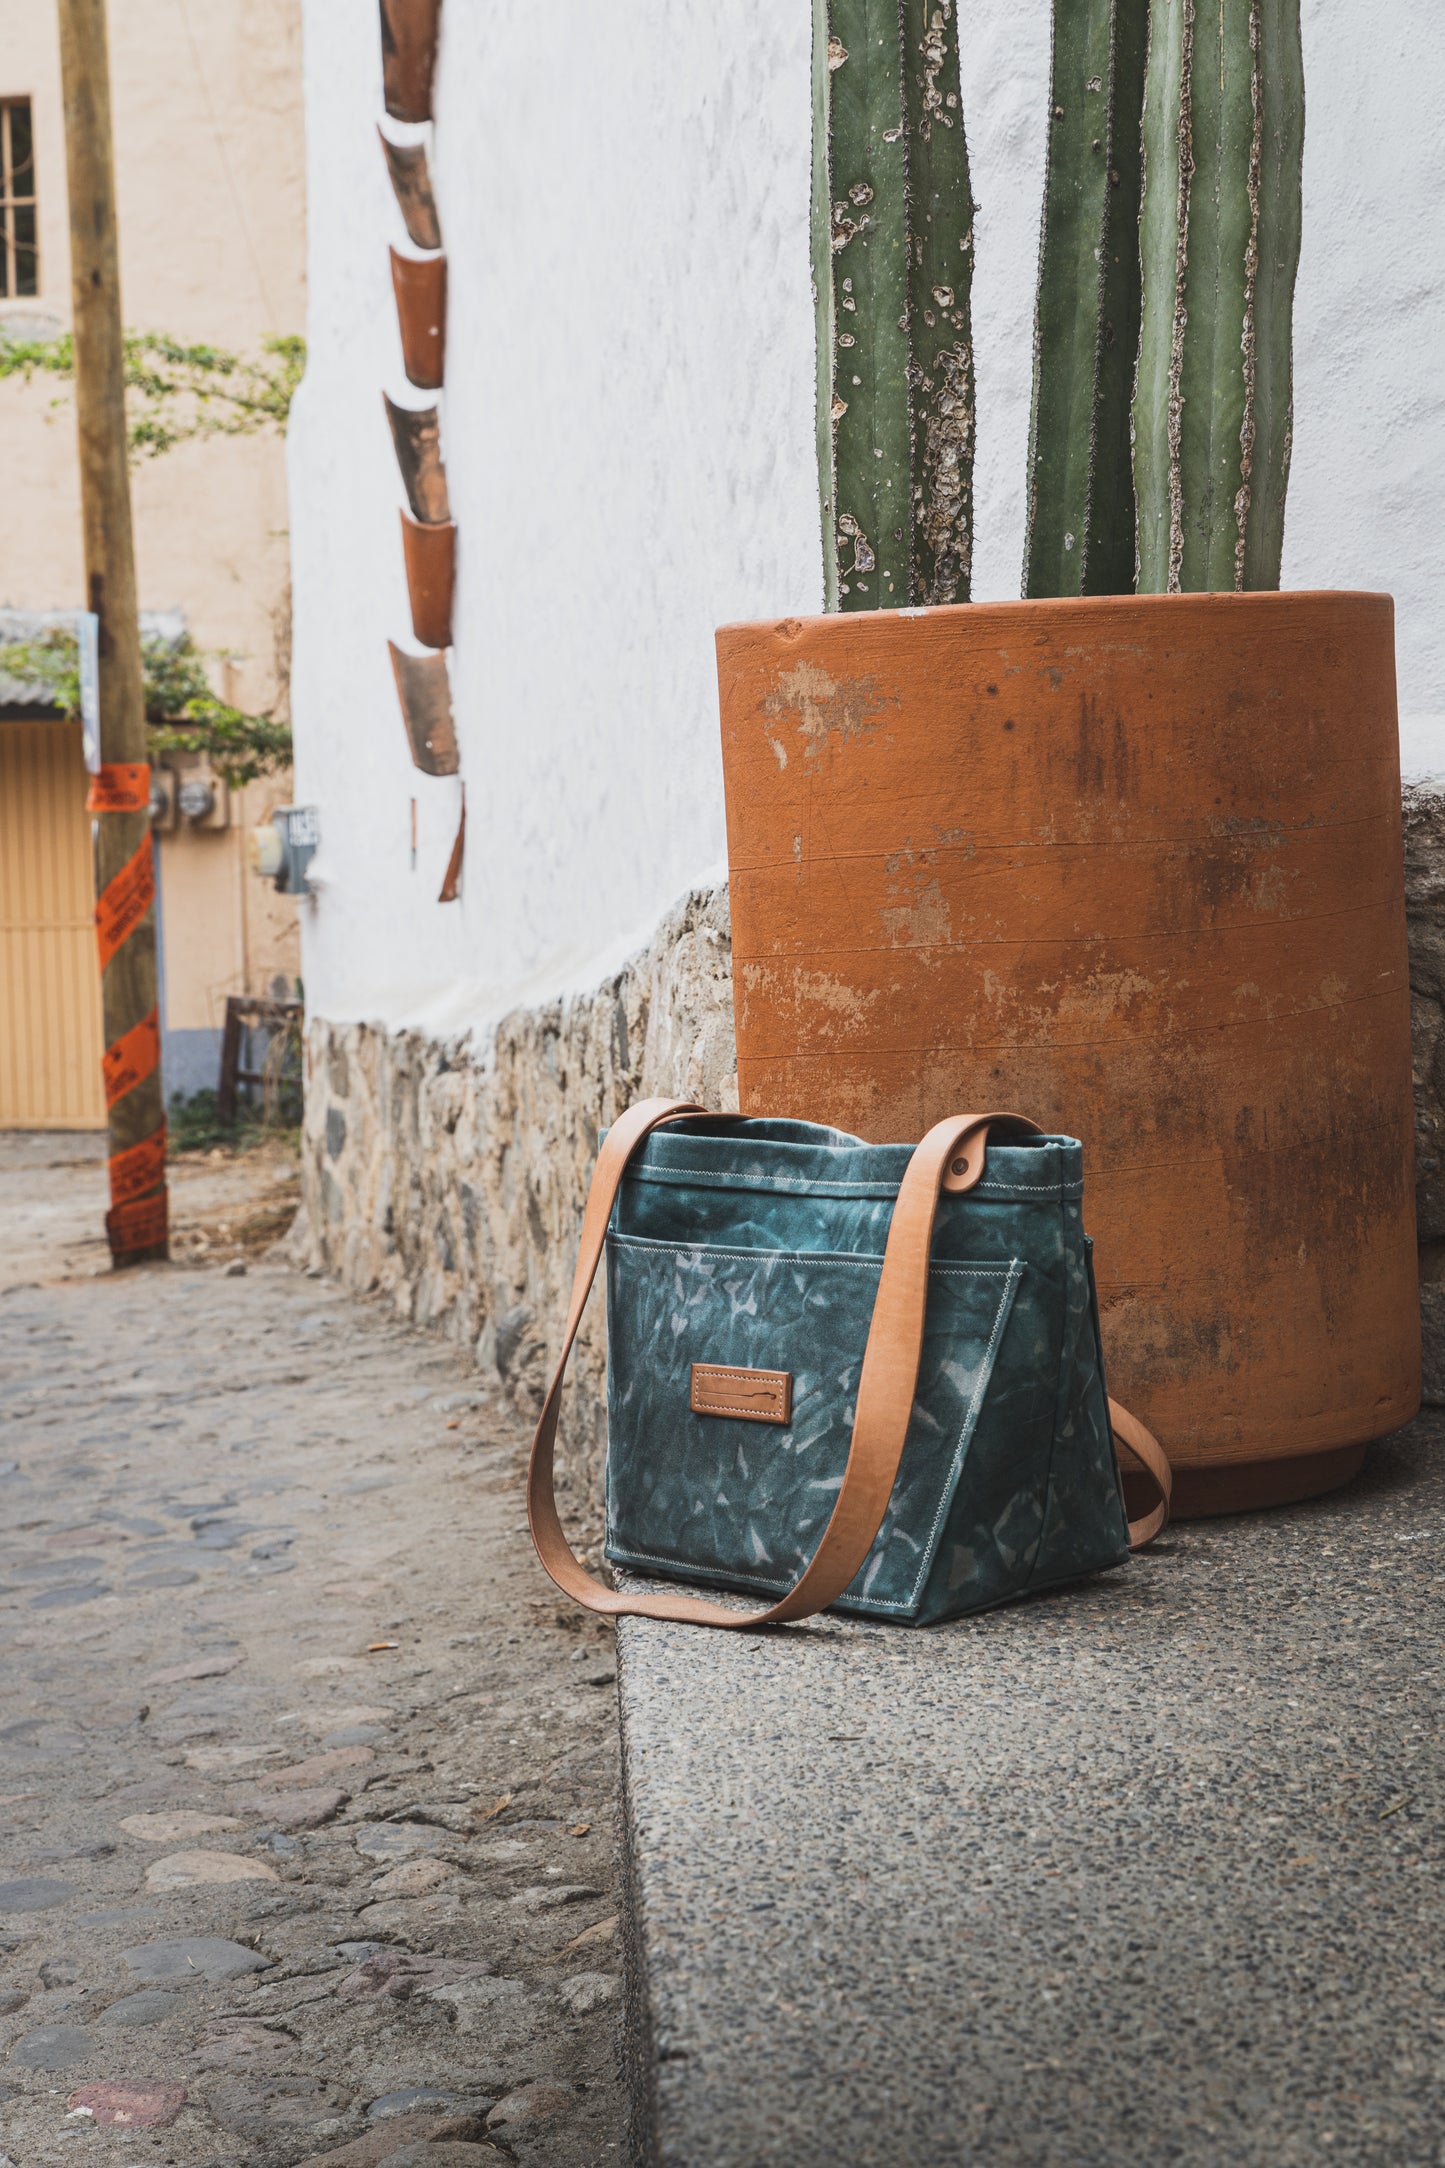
<point>1223,133</point>
<point>1080,533</point>
<point>892,270</point>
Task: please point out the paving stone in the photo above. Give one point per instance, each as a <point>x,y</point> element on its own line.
<point>409,2101</point>
<point>591,1937</point>
<point>59,1972</point>
<point>200,1667</point>
<point>210,1956</point>
<point>394,2132</point>
<point>326,1720</point>
<point>241,2044</point>
<point>197,1870</point>
<point>168,1828</point>
<point>319,1767</point>
<point>395,1840</point>
<point>528,2104</point>
<point>264,2107</point>
<point>11,2000</point>
<point>400,1975</point>
<point>131,2106</point>
<point>33,1894</point>
<point>66,1599</point>
<point>52,2047</point>
<point>442,2153</point>
<point>414,1878</point>
<point>229,1761</point>
<point>152,2006</point>
<point>586,1991</point>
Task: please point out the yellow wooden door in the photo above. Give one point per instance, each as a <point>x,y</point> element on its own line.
<point>50,1028</point>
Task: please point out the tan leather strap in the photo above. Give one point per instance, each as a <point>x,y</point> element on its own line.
<point>1150,1459</point>
<point>951,1156</point>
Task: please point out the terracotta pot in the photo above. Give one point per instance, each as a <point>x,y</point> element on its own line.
<point>431,557</point>
<point>420,285</point>
<point>408,56</point>
<point>1133,867</point>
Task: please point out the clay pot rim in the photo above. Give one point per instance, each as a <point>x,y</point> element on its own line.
<point>1101,607</point>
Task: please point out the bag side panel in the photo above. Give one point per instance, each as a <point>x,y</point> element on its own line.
<point>1085,1526</point>
<point>999,1511</point>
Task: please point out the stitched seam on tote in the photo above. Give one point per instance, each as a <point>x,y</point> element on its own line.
<point>715,1370</point>
<point>985,1373</point>
<point>728,1407</point>
<point>804,1183</point>
<point>795,1257</point>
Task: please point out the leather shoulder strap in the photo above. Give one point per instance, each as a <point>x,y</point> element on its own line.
<point>1147,1456</point>
<point>950,1157</point>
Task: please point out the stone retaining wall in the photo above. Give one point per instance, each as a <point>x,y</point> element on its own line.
<point>450,1176</point>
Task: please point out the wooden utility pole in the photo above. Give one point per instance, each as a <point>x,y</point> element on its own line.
<point>120,797</point>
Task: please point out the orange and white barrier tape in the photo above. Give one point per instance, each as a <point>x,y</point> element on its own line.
<point>135,1220</point>
<point>124,900</point>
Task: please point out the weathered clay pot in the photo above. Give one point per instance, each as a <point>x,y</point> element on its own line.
<point>1133,867</point>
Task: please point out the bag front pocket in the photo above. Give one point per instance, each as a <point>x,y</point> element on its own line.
<point>743,1500</point>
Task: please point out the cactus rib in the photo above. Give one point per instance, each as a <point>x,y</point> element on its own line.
<point>940,269</point>
<point>892,261</point>
<point>1219,240</point>
<point>1080,528</point>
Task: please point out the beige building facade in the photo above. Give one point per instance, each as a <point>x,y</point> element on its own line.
<point>210,186</point>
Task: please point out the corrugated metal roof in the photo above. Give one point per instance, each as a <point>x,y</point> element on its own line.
<point>26,625</point>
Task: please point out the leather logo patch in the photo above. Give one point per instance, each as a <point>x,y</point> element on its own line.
<point>758,1396</point>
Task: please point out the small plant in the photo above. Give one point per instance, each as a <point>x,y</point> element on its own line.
<point>176,392</point>
<point>1161,417</point>
<point>184,714</point>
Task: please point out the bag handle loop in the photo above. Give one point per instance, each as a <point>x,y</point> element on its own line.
<point>951,1156</point>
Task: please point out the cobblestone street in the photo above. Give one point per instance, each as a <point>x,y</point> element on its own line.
<point>307,1789</point>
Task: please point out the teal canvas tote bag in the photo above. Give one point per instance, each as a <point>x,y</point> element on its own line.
<point>860,1375</point>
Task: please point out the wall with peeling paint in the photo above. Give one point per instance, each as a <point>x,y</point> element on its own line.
<point>629,440</point>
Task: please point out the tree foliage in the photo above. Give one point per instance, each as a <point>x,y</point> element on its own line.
<point>184,714</point>
<point>176,392</point>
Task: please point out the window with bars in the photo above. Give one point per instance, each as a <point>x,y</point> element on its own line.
<point>19,256</point>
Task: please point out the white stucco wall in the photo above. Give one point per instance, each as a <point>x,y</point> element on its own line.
<point>628,426</point>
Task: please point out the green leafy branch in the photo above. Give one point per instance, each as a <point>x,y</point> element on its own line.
<point>176,392</point>
<point>184,714</point>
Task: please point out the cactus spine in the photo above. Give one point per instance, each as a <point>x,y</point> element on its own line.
<point>1223,132</point>
<point>892,266</point>
<point>1080,537</point>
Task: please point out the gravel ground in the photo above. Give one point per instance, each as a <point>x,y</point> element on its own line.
<point>1144,1871</point>
<point>307,1786</point>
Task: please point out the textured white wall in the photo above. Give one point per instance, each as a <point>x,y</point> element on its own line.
<point>628,424</point>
